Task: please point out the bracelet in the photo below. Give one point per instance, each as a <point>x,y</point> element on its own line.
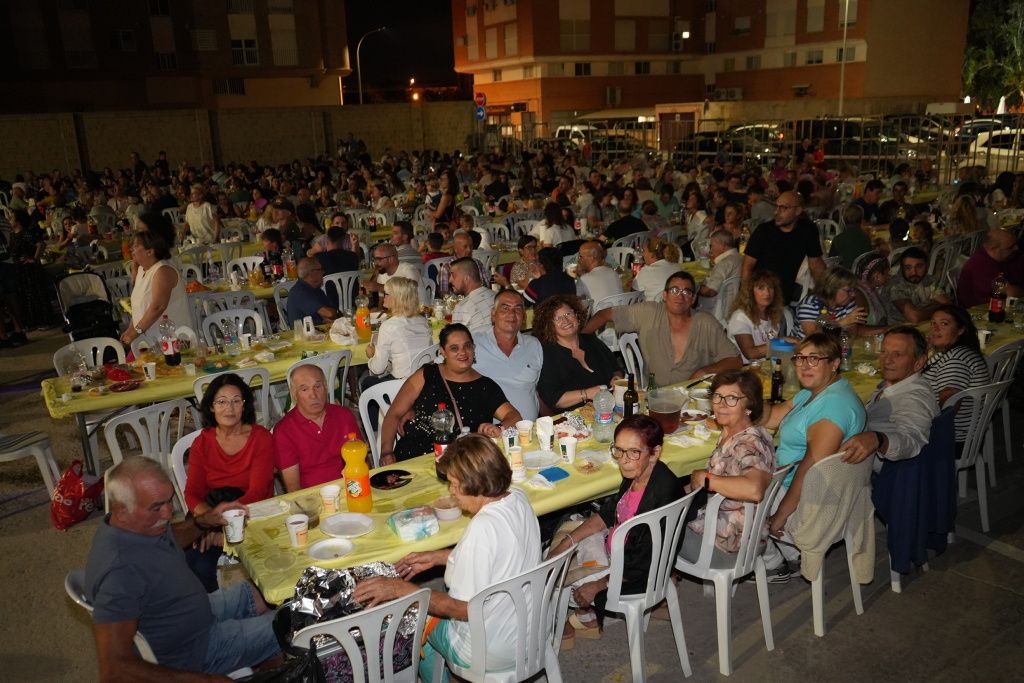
<point>572,540</point>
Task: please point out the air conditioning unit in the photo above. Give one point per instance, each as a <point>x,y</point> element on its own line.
<point>612,96</point>
<point>729,94</point>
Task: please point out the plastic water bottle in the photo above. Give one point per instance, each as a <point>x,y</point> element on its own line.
<point>169,343</point>
<point>604,406</point>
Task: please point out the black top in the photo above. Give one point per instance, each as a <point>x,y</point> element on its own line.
<point>783,252</point>
<point>547,285</point>
<point>561,372</point>
<point>627,225</point>
<point>662,488</point>
<point>338,261</point>
<point>478,400</point>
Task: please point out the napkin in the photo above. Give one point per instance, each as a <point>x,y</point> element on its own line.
<point>343,332</point>
<point>866,369</point>
<point>538,481</point>
<point>683,440</point>
<point>270,507</point>
<point>553,474</point>
<point>545,431</point>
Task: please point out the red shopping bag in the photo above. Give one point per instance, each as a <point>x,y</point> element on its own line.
<point>75,497</point>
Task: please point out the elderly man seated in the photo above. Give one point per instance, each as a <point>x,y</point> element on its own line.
<point>309,437</point>
<point>137,580</point>
<point>901,410</point>
<point>306,297</point>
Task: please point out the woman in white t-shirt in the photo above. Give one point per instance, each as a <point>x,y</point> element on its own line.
<point>401,336</point>
<point>661,259</point>
<point>502,540</point>
<point>553,230</point>
<point>757,316</point>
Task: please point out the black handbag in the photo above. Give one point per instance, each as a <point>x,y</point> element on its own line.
<point>301,666</point>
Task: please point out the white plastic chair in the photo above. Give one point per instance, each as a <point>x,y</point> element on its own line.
<point>427,291</point>
<point>217,325</point>
<point>723,300</point>
<point>632,242</point>
<point>622,299</point>
<point>828,229</point>
<point>329,364</point>
<point>623,256</point>
<point>487,257</point>
<point>261,392</point>
<point>202,304</point>
<point>523,227</point>
<point>427,356</point>
<point>433,266</point>
<point>724,569</point>
<point>243,264</point>
<point>539,621</point>
<point>190,271</point>
<point>665,525</point>
<point>364,634</point>
<point>281,290</point>
<point>629,347</point>
<point>1002,365</point>
<point>144,342</point>
<point>382,395</point>
<point>108,270</point>
<point>978,444</point>
<point>32,445</point>
<point>174,214</point>
<point>496,232</point>
<point>179,473</point>
<point>342,283</point>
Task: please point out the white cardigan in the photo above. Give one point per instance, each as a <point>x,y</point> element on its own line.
<point>398,339</point>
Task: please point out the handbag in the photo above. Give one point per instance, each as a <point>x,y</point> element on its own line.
<point>455,405</point>
<point>301,666</point>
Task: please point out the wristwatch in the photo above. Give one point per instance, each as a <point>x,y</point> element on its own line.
<point>138,330</point>
<point>707,482</point>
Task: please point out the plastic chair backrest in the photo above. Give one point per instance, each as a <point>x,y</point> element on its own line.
<point>426,356</point>
<point>427,291</point>
<point>283,288</point>
<point>108,270</point>
<point>982,402</point>
<point>261,392</point>
<point>202,304</point>
<point>1004,361</point>
<point>487,257</point>
<point>328,364</point>
<point>174,214</point>
<point>243,264</point>
<point>617,300</point>
<point>723,300</point>
<point>382,394</point>
<point>74,585</point>
<point>629,347</point>
<point>632,241</point>
<point>431,267</point>
<point>535,596</point>
<point>342,283</point>
<point>827,228</point>
<point>179,473</point>
<point>941,256</point>
<point>623,256</point>
<point>496,232</point>
<point>665,525</point>
<point>152,427</point>
<point>216,325</point>
<point>363,634</point>
<point>93,349</point>
<point>120,286</point>
<point>190,271</point>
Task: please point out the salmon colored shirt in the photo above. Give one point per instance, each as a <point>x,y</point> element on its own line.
<point>250,469</point>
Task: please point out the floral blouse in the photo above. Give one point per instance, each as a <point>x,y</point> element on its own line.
<point>733,457</point>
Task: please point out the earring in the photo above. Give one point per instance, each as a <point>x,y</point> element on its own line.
<point>748,412</point>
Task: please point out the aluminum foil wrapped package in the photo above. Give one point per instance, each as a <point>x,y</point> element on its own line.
<point>326,594</point>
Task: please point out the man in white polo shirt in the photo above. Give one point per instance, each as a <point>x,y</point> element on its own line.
<point>509,357</point>
<point>596,280</point>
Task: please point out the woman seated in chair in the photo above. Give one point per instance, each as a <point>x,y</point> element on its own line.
<point>525,269</point>
<point>757,315</point>
<point>400,337</point>
<point>741,466</point>
<point>647,484</point>
<point>553,279</point>
<point>232,459</point>
<point>501,541</point>
<point>475,400</point>
<point>838,303</point>
<point>661,259</point>
<point>575,365</point>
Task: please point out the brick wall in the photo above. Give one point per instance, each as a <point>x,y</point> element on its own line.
<point>111,136</point>
<point>39,142</point>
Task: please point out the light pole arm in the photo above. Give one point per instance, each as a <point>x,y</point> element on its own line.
<point>359,67</point>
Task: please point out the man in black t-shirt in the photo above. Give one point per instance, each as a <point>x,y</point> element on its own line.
<point>625,224</point>
<point>781,245</point>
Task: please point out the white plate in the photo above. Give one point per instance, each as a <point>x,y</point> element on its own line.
<point>330,549</point>
<point>347,525</point>
<point>267,508</point>
<point>599,456</point>
<point>536,460</point>
<point>279,345</point>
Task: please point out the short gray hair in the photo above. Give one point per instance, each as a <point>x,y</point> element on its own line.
<point>306,264</point>
<point>120,485</point>
<point>724,238</point>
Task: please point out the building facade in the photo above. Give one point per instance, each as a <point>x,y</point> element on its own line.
<point>82,55</point>
<point>542,62</point>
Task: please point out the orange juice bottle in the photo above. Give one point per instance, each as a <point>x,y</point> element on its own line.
<point>357,475</point>
<point>363,316</point>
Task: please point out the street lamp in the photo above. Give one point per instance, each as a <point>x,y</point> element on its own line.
<point>359,68</point>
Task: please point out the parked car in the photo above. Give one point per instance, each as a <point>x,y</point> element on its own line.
<point>617,147</point>
<point>996,150</point>
<point>708,145</point>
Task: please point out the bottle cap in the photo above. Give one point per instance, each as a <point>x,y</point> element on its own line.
<point>441,406</point>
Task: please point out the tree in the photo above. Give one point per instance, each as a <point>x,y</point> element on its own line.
<point>994,60</point>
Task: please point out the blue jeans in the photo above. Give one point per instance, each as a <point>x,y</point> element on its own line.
<point>239,636</point>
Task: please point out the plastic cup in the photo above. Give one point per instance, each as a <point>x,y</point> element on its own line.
<point>298,529</point>
<point>329,495</point>
<point>190,369</point>
<point>525,429</point>
<point>983,336</point>
<point>246,341</point>
<point>567,447</point>
<point>544,441</point>
<point>234,529</point>
<point>150,370</point>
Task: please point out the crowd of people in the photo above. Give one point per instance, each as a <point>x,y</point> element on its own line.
<point>741,222</point>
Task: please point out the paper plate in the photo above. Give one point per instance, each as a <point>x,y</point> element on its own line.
<point>330,549</point>
<point>347,525</point>
<point>535,460</point>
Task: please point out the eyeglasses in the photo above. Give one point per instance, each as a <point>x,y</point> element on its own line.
<point>728,399</point>
<point>679,291</point>
<point>627,453</point>
<point>381,258</point>
<point>224,403</point>
<point>565,318</point>
<point>809,360</point>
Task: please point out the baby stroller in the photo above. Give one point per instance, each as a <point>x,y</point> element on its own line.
<point>86,306</point>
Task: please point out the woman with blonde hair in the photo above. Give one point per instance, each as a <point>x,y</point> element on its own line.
<point>757,315</point>
<point>963,216</point>
<point>661,259</point>
<point>404,334</point>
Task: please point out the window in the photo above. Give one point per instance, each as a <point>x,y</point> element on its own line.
<point>240,7</point>
<point>229,86</point>
<point>847,11</point>
<point>815,16</point>
<point>789,58</point>
<point>741,25</point>
<point>582,68</point>
<point>615,69</point>
<point>753,62</point>
<point>556,70</point>
<point>709,48</point>
<point>166,61</point>
<point>280,7</point>
<point>729,64</point>
<point>851,54</point>
<point>244,52</point>
<point>625,35</point>
<point>491,43</point>
<point>528,71</point>
<point>204,40</point>
<point>496,75</point>
<point>159,8</point>
<point>122,40</point>
<point>511,40</point>
<point>658,37</point>
<point>641,68</point>
<point>284,47</point>
<point>814,57</point>
<point>575,35</point>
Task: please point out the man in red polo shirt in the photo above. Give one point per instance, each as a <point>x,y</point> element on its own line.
<point>308,439</point>
<point>998,254</point>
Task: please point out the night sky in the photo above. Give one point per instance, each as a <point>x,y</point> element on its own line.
<point>418,43</point>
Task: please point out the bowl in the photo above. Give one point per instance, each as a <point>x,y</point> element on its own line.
<point>701,399</point>
<point>446,509</point>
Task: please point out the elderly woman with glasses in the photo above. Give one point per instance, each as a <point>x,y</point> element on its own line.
<point>575,365</point>
<point>811,425</point>
<point>835,302</point>
<point>647,484</point>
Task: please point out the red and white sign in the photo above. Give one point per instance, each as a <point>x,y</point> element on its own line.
<point>480,99</point>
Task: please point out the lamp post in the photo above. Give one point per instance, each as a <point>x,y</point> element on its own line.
<point>842,64</point>
<point>359,68</point>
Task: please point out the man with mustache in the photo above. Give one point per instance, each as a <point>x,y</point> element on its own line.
<point>137,580</point>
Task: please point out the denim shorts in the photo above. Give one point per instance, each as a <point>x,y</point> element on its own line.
<point>239,637</point>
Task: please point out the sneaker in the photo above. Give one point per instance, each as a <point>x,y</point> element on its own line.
<point>780,574</point>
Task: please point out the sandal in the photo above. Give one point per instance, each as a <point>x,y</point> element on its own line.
<point>583,631</point>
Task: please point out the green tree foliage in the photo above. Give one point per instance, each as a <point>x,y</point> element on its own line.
<point>994,61</point>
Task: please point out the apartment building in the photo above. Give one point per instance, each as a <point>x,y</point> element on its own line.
<point>82,55</point>
<point>552,60</point>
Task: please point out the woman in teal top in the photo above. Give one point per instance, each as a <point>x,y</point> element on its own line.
<point>813,424</point>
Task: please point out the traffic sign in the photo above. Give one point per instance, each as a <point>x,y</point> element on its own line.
<point>480,99</point>
<point>481,114</point>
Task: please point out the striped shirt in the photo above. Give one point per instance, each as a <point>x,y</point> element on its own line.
<point>813,307</point>
<point>957,368</point>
